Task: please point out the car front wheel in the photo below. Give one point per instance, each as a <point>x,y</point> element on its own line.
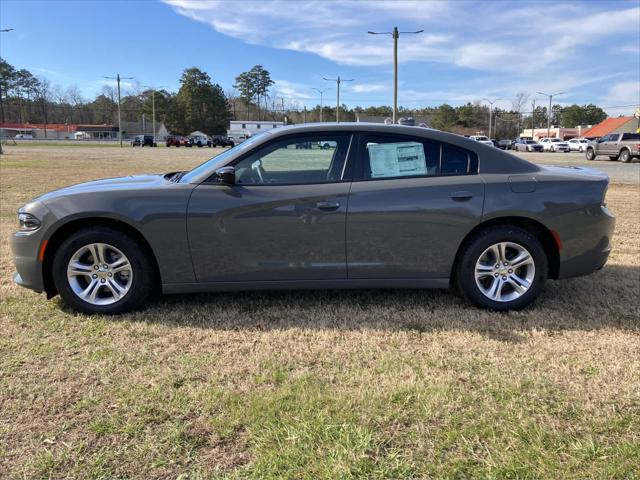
<point>502,268</point>
<point>102,270</point>
<point>591,154</point>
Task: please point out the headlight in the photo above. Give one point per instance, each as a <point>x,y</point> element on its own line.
<point>28,222</point>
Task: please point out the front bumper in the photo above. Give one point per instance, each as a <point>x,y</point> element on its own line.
<point>26,249</point>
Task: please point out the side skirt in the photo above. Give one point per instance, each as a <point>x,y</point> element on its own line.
<point>170,288</point>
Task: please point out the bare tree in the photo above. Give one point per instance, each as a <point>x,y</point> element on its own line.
<point>518,105</point>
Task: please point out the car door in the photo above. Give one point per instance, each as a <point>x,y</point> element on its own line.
<point>282,219</point>
<point>605,145</point>
<point>412,202</point>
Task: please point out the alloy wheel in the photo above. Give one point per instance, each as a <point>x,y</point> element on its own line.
<point>505,271</point>
<point>99,274</point>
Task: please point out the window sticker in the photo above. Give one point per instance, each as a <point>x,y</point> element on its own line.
<point>396,159</point>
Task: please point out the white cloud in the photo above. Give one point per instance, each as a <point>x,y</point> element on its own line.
<point>517,46</point>
<point>291,90</point>
<point>479,36</point>
<point>369,87</point>
<point>624,96</point>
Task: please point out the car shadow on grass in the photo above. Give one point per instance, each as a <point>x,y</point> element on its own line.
<point>605,299</point>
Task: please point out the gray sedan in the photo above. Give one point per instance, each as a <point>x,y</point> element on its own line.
<point>383,206</point>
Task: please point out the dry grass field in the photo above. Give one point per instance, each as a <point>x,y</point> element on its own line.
<point>327,384</point>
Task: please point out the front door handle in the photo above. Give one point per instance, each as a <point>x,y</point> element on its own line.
<point>461,195</point>
<point>328,206</point>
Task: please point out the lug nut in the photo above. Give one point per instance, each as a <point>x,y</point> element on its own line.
<point>102,280</point>
<point>94,275</point>
<point>95,267</point>
<point>510,271</point>
<point>496,275</point>
<point>107,266</point>
<point>110,274</point>
<point>506,263</point>
<point>504,278</point>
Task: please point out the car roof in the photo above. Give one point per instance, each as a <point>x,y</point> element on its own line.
<point>491,159</point>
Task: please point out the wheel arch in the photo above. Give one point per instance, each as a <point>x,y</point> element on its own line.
<point>63,231</point>
<point>541,232</point>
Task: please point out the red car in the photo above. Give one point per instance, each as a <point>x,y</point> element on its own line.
<point>177,141</point>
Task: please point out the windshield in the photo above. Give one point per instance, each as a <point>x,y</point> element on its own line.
<point>556,140</point>
<point>219,159</point>
<point>481,139</point>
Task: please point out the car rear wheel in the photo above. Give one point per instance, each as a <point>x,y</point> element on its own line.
<point>102,270</point>
<point>502,268</point>
<point>625,156</point>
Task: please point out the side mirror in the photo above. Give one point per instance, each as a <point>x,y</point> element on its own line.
<point>226,175</point>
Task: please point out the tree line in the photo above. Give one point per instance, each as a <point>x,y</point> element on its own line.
<point>201,104</point>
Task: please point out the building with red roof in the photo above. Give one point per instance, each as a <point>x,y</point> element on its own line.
<point>612,125</point>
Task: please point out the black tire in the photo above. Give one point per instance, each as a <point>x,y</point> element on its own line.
<point>590,155</point>
<point>625,156</point>
<point>143,281</point>
<point>471,252</point>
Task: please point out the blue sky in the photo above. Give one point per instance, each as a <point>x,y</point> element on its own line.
<point>469,50</point>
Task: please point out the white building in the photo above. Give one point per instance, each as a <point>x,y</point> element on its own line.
<point>555,132</point>
<point>246,128</point>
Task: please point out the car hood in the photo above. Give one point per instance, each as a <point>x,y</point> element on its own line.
<point>132,182</point>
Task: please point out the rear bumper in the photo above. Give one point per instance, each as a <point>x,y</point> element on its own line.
<point>587,246</point>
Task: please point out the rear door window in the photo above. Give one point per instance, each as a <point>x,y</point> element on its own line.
<point>386,156</point>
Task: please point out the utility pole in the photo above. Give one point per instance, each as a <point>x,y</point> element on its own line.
<point>549,112</point>
<point>320,92</point>
<point>338,82</point>
<point>533,119</point>
<point>395,34</point>
<point>117,78</point>
<point>490,112</point>
<point>153,110</point>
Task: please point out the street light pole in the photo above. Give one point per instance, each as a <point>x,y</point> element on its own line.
<point>550,95</point>
<point>395,34</point>
<point>338,81</point>
<point>320,92</point>
<point>490,112</point>
<point>117,78</point>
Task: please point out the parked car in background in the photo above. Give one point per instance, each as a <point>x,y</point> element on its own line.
<point>578,144</point>
<point>239,138</point>
<point>172,140</point>
<point>527,146</point>
<point>23,136</point>
<point>200,141</point>
<point>390,207</point>
<point>143,140</point>
<point>178,141</point>
<point>504,144</point>
<point>221,141</point>
<point>481,139</point>
<point>554,145</point>
<point>618,146</point>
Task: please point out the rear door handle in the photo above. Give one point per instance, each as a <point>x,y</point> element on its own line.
<point>461,195</point>
<point>328,206</point>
